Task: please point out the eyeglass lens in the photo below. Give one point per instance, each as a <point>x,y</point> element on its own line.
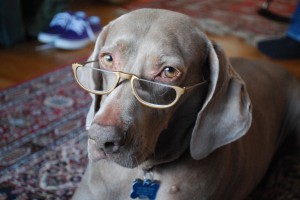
<point>154,93</point>
<point>108,79</point>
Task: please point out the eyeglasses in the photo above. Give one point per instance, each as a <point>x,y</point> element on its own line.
<point>149,93</point>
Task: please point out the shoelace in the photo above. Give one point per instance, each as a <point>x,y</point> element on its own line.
<point>79,25</point>
<point>61,19</point>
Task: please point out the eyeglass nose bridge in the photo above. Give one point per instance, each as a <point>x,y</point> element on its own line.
<point>125,75</point>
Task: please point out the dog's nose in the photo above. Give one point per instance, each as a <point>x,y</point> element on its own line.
<point>107,138</point>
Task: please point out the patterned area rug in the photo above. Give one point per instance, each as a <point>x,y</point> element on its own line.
<point>42,137</point>
<point>236,17</point>
<point>43,143</point>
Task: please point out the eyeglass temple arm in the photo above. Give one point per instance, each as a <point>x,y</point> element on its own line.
<point>84,63</point>
<point>198,84</point>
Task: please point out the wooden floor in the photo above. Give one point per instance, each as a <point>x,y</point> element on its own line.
<point>22,62</point>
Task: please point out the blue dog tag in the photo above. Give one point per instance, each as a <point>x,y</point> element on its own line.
<point>144,189</point>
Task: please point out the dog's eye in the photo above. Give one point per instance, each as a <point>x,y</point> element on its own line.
<point>170,72</point>
<point>107,60</point>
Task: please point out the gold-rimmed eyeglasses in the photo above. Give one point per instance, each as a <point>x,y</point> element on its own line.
<point>149,93</point>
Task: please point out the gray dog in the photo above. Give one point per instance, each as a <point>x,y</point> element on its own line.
<point>169,106</point>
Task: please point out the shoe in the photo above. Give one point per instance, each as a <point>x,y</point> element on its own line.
<point>79,33</point>
<point>58,26</point>
<point>281,48</point>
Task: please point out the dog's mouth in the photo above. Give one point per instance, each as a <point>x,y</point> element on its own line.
<point>124,156</point>
<point>94,153</point>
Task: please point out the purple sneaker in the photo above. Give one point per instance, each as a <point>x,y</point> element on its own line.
<point>79,33</point>
<point>58,26</point>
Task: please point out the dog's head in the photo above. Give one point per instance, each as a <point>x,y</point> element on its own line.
<point>163,47</point>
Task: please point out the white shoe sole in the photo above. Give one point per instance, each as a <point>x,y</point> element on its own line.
<point>71,44</point>
<point>47,38</point>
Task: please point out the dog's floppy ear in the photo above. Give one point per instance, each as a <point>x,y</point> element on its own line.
<point>95,81</point>
<point>226,113</point>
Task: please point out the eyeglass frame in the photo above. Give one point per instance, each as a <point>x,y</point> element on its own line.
<point>131,77</point>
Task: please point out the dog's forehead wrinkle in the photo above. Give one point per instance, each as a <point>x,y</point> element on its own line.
<point>116,44</point>
<point>157,53</point>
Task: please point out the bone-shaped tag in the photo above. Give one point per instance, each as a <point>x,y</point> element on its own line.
<point>144,189</point>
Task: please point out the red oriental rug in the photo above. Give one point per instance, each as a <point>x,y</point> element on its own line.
<point>236,17</point>
<point>42,137</point>
<point>43,143</point>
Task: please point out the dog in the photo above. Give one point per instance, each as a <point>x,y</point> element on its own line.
<point>214,141</point>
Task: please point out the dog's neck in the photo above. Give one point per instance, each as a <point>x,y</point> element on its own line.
<point>157,165</point>
<point>173,152</point>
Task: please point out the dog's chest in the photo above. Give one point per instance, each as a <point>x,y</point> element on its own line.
<point>168,190</point>
<point>173,184</point>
